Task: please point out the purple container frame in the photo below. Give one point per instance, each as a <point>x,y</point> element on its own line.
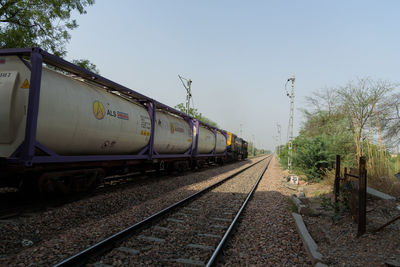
<point>25,153</point>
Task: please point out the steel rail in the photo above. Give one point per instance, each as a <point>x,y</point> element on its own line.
<point>224,239</point>
<point>109,243</point>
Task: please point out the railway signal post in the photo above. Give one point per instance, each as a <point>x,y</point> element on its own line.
<point>290,143</point>
<point>188,92</point>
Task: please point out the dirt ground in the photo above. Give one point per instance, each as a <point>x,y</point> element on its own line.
<point>336,233</point>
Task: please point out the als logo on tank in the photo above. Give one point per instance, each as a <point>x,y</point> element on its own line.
<point>100,112</point>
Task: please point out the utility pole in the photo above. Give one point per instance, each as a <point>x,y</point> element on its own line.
<point>280,138</point>
<point>275,138</point>
<point>254,142</point>
<point>290,143</point>
<point>188,91</point>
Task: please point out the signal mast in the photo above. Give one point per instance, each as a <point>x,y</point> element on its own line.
<point>290,142</point>
<point>188,91</point>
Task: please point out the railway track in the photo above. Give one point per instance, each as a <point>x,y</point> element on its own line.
<point>13,204</point>
<point>190,232</point>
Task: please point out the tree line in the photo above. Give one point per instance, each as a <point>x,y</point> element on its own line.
<point>41,23</point>
<point>360,118</point>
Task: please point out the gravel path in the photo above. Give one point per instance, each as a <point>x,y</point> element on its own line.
<point>267,234</point>
<point>48,237</point>
<point>191,233</point>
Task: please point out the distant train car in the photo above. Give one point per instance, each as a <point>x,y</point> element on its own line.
<point>66,133</point>
<point>236,147</point>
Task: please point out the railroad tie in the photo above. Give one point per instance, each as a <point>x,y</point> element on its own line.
<point>129,250</point>
<point>190,261</point>
<point>210,235</point>
<point>200,246</point>
<point>192,209</point>
<point>217,226</point>
<point>150,238</point>
<point>175,220</point>
<point>162,228</point>
<point>221,219</point>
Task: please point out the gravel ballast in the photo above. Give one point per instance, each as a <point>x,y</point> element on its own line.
<point>190,233</point>
<point>266,235</point>
<point>47,237</point>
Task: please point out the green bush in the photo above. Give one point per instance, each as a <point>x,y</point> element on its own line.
<point>311,157</point>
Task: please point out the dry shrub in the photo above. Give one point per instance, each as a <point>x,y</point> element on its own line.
<point>329,178</point>
<point>385,184</point>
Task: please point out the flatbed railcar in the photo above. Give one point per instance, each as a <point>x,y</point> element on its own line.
<point>63,128</point>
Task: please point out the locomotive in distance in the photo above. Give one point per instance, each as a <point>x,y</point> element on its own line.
<point>63,128</point>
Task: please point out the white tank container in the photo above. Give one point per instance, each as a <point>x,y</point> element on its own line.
<point>206,142</point>
<point>76,118</point>
<point>173,134</point>
<point>221,143</point>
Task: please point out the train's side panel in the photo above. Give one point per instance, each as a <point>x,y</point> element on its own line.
<point>13,99</point>
<point>75,118</point>
<point>221,143</point>
<point>206,141</point>
<point>173,134</point>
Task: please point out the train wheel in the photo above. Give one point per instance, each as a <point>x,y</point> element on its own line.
<point>52,183</point>
<point>29,185</point>
<point>67,182</point>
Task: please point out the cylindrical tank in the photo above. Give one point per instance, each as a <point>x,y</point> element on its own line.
<point>173,134</point>
<point>206,141</point>
<point>77,118</point>
<point>221,143</point>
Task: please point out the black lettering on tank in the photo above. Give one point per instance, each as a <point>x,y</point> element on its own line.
<point>145,122</point>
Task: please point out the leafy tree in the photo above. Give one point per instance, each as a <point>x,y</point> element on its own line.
<point>44,23</point>
<point>86,64</point>
<point>196,114</point>
<point>344,121</point>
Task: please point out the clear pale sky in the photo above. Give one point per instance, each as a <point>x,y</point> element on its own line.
<point>239,54</point>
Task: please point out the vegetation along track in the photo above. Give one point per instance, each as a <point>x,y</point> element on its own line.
<point>191,231</point>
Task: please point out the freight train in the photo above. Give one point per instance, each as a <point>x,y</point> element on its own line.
<point>63,128</point>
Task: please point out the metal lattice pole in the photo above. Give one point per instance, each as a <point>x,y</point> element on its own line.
<point>280,138</point>
<point>254,142</point>
<point>290,143</point>
<point>188,92</point>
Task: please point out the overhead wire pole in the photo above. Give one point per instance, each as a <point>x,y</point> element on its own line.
<point>187,86</point>
<point>280,138</point>
<point>254,142</point>
<point>290,143</point>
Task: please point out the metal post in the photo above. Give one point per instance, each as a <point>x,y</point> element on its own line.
<point>28,150</point>
<point>254,142</point>
<point>290,143</point>
<point>337,178</point>
<point>188,92</point>
<point>152,110</point>
<point>362,197</point>
<point>280,138</point>
<point>196,137</point>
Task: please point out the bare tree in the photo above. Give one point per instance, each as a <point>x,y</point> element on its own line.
<point>391,120</point>
<point>325,99</point>
<point>359,100</point>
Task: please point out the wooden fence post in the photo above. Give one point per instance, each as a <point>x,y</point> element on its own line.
<point>362,197</point>
<point>337,178</point>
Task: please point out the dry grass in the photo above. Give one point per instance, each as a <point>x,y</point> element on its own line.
<point>387,185</point>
